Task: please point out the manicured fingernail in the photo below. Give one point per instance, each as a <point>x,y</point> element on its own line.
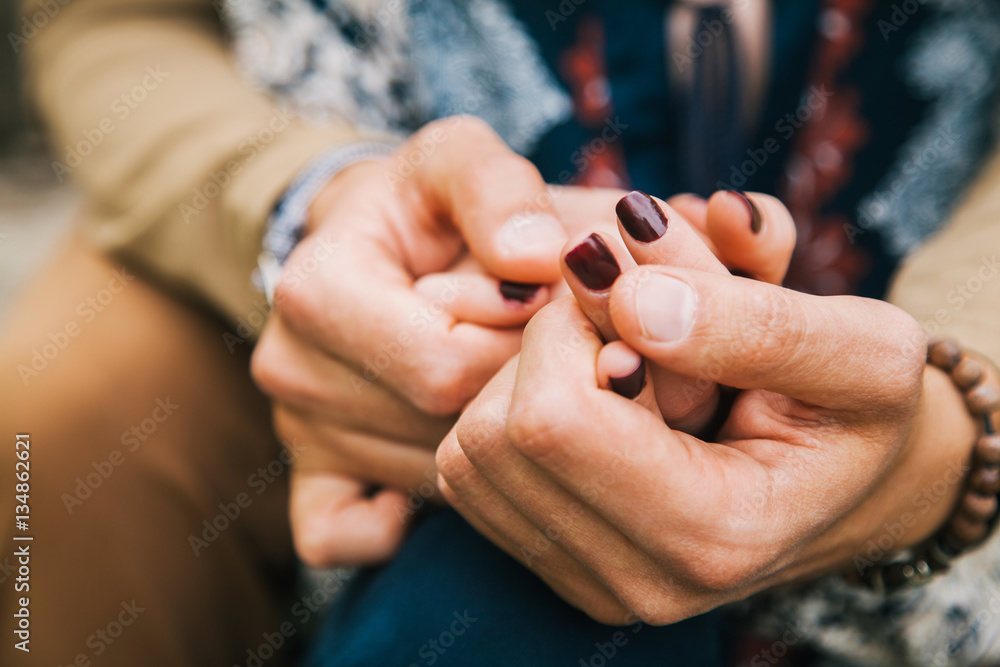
<point>630,385</point>
<point>665,307</point>
<point>520,292</point>
<point>641,217</point>
<point>531,232</point>
<point>593,263</point>
<point>752,211</point>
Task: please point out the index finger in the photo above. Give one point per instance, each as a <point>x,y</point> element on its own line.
<point>360,306</point>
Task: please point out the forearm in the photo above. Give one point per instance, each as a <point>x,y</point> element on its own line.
<point>180,159</point>
<point>951,284</point>
<point>948,287</point>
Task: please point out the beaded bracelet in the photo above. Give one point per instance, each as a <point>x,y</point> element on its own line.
<point>977,510</point>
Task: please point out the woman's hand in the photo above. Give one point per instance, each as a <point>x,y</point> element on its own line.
<point>835,440</point>
<point>750,233</point>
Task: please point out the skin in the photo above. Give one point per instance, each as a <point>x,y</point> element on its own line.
<point>388,319</point>
<point>837,431</point>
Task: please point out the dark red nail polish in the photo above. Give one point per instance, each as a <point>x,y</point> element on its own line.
<point>593,263</point>
<point>520,292</point>
<point>752,210</point>
<point>641,217</point>
<point>630,385</point>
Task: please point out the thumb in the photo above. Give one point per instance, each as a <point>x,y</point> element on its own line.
<point>836,352</point>
<point>336,523</point>
<point>496,198</point>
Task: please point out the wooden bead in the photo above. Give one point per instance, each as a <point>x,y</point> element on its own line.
<point>988,449</point>
<point>979,507</point>
<point>951,543</point>
<point>966,530</point>
<point>983,399</point>
<point>986,481</point>
<point>945,354</point>
<point>967,373</point>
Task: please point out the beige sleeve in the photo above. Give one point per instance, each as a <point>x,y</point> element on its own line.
<point>179,159</point>
<point>952,284</point>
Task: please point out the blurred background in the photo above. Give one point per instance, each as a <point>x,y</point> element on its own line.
<point>35,208</point>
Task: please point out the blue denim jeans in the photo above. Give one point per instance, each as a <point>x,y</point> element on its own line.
<point>452,598</point>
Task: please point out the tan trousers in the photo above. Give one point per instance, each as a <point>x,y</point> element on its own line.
<point>157,490</point>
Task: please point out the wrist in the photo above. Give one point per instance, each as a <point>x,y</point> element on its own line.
<point>288,221</point>
<point>926,486</point>
<point>973,511</point>
<point>347,180</point>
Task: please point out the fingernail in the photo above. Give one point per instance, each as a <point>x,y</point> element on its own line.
<point>520,292</point>
<point>593,263</point>
<point>630,385</point>
<point>665,307</point>
<point>641,217</point>
<point>530,232</point>
<point>752,211</point>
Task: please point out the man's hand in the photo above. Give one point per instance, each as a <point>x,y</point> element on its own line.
<point>826,447</point>
<point>365,357</point>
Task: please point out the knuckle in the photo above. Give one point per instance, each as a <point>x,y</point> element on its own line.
<point>481,174</point>
<point>481,427</point>
<point>294,304</point>
<point>311,548</point>
<point>651,608</point>
<point>266,369</point>
<point>609,611</point>
<point>448,493</point>
<point>441,388</point>
<point>720,571</point>
<point>906,354</point>
<point>286,426</point>
<point>277,377</point>
<point>766,327</point>
<point>263,370</point>
<point>533,425</point>
<point>454,468</point>
<point>467,126</point>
